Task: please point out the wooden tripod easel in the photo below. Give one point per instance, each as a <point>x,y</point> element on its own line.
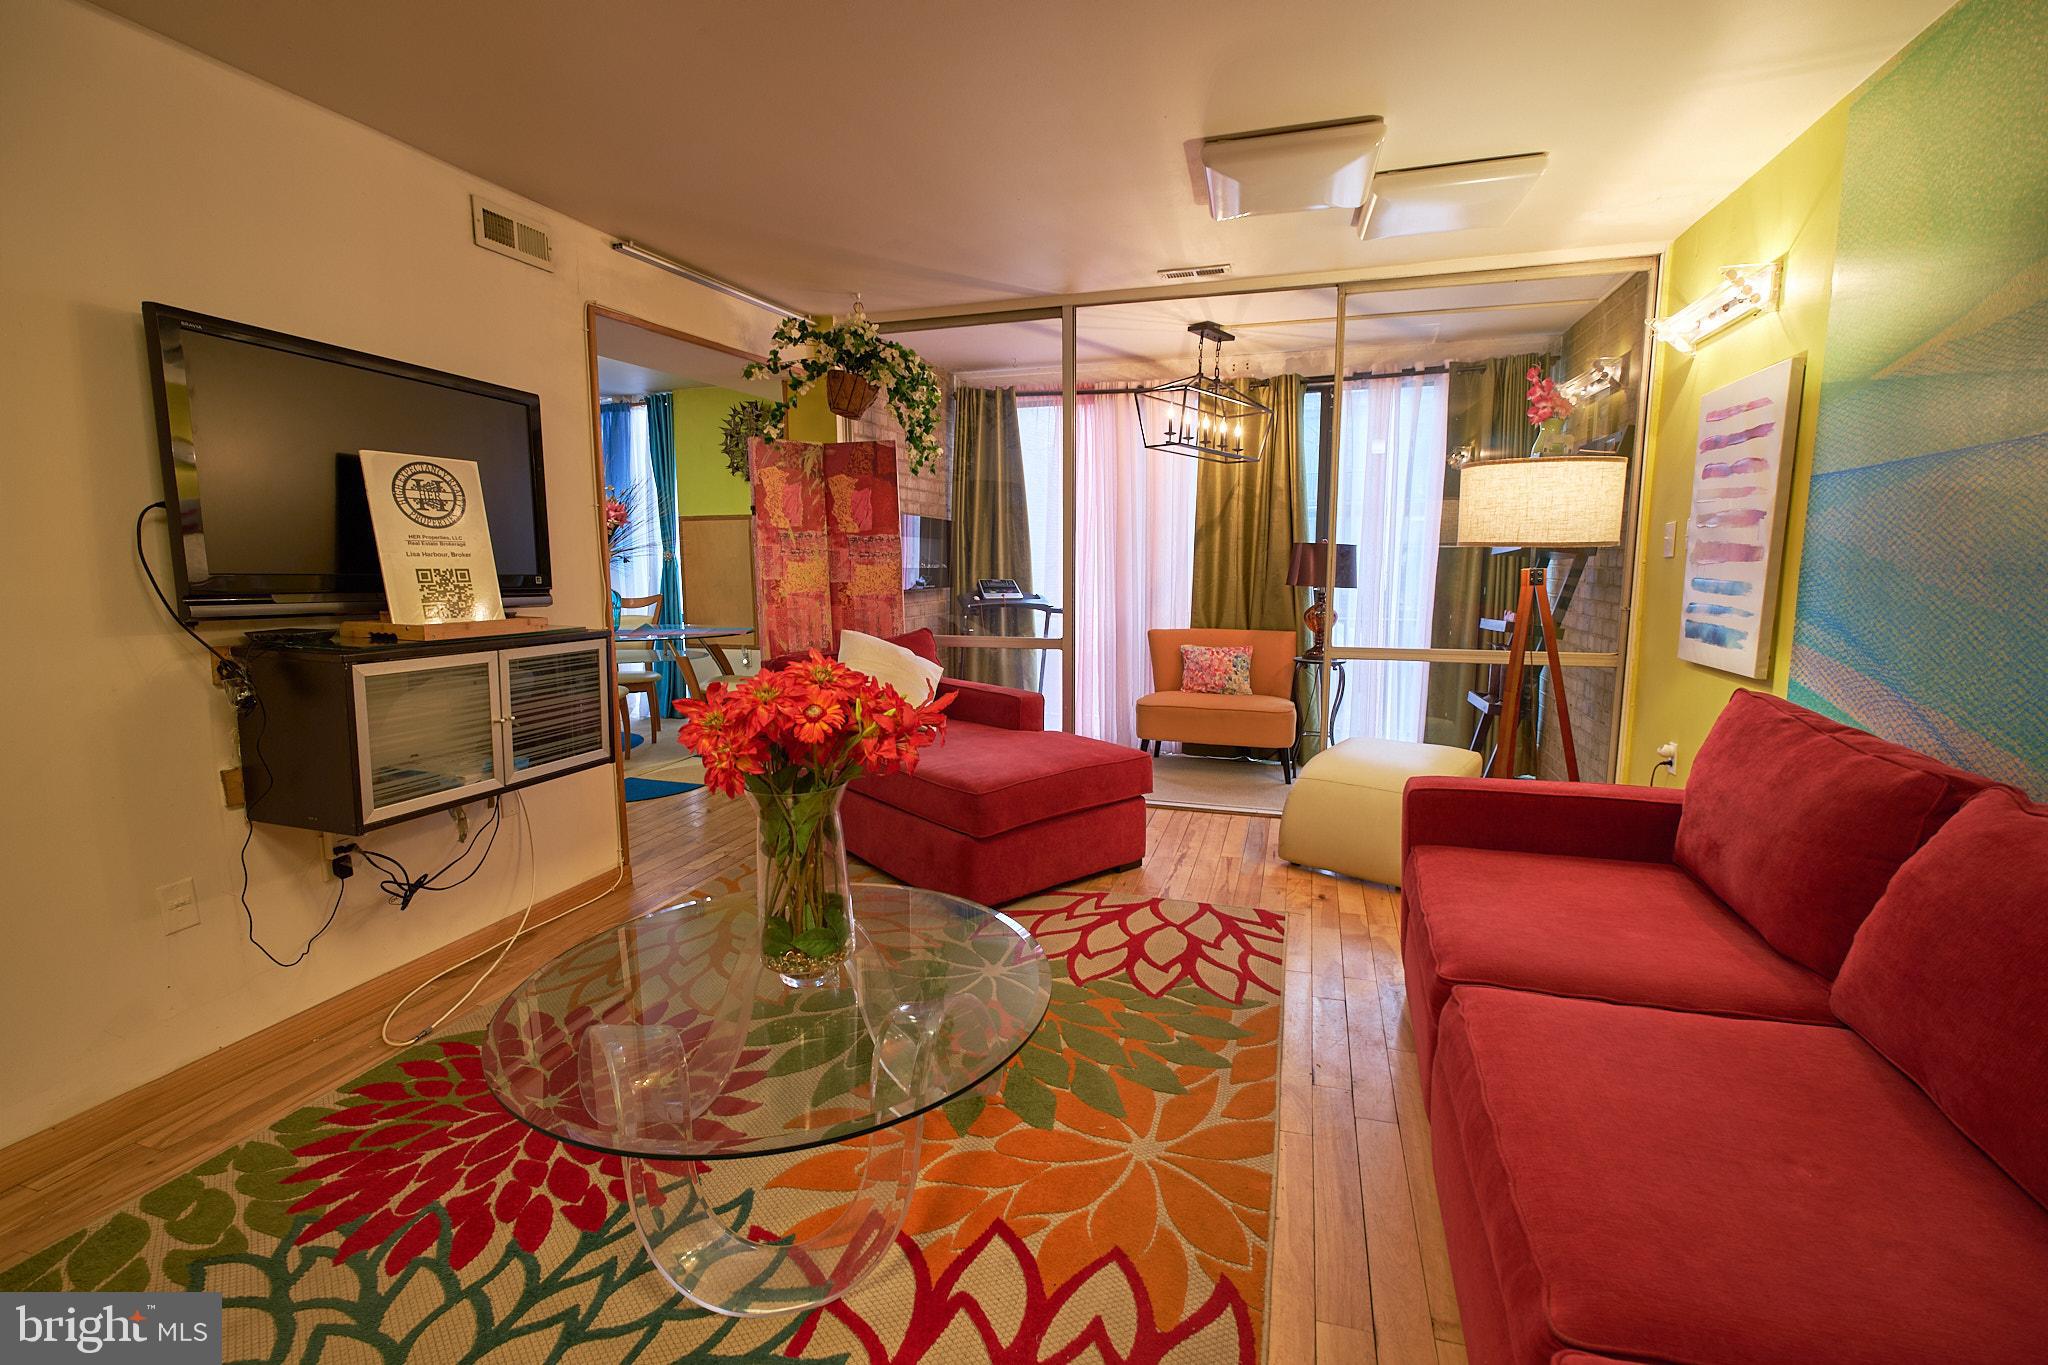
<point>1534,598</point>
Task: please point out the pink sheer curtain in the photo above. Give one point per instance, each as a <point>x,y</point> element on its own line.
<point>1134,542</point>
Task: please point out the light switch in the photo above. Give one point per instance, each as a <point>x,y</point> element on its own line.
<point>179,902</point>
<point>1670,539</point>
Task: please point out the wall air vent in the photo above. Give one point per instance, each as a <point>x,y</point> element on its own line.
<point>497,230</point>
<point>1195,272</point>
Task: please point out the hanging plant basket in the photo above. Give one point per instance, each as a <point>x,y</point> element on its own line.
<point>859,366</point>
<point>848,394</point>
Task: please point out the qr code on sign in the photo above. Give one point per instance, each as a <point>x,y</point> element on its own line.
<point>446,594</point>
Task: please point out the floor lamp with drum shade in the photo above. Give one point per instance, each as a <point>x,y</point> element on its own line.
<point>1571,503</point>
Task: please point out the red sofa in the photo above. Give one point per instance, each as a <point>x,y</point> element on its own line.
<point>1001,808</point>
<point>1754,1072</point>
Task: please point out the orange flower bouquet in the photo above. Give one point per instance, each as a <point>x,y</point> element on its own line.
<point>792,738</point>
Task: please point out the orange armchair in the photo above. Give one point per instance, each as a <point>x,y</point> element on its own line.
<point>1263,720</point>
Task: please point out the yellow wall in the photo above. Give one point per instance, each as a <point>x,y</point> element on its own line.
<point>812,420</point>
<point>1790,208</point>
<point>705,484</point>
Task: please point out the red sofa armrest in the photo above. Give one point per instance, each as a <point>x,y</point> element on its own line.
<point>1006,708</point>
<point>1582,819</point>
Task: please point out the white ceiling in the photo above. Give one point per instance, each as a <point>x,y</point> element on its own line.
<point>1284,330</point>
<point>930,153</point>
<point>635,361</point>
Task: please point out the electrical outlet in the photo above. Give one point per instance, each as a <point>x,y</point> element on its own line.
<point>1668,751</point>
<point>180,904</point>
<point>1670,539</point>
<point>333,846</point>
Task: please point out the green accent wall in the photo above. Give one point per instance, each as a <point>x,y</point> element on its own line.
<point>1919,594</point>
<point>1914,222</point>
<point>704,486</point>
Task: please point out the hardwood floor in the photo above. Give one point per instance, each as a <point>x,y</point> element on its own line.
<point>1360,1273</point>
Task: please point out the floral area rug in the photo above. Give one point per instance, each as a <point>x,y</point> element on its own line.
<point>1110,1201</point>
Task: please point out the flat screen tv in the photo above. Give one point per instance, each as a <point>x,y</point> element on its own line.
<point>259,433</point>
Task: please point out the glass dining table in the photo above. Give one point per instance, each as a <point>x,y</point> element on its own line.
<point>668,1042</point>
<point>677,641</point>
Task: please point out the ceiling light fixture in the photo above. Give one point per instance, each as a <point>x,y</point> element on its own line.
<point>1744,291</point>
<point>1604,376</point>
<point>1201,417</point>
<point>1292,170</point>
<point>1448,198</point>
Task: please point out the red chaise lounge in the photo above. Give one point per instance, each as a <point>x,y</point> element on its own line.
<point>1756,1072</point>
<point>1001,807</point>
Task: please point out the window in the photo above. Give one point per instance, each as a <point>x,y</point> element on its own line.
<point>629,473</point>
<point>1389,503</point>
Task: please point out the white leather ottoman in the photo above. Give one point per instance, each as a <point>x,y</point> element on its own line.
<point>1344,811</point>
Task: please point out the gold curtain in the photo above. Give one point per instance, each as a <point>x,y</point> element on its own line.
<point>1489,414</point>
<point>1247,520</point>
<point>991,530</point>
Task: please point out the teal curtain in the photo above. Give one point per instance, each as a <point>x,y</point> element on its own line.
<point>661,450</point>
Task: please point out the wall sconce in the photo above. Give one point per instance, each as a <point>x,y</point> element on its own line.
<point>1604,376</point>
<point>1744,291</point>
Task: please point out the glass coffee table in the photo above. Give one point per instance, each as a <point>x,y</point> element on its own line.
<point>667,1042</point>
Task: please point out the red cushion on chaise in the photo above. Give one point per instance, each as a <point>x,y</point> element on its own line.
<point>981,781</point>
<point>1658,1185</point>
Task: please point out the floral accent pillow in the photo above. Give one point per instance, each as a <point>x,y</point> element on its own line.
<point>1224,670</point>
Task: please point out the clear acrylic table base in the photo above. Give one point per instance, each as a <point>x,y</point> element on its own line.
<point>722,1250</point>
<point>715,1253</point>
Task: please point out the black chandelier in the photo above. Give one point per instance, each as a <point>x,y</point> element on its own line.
<point>1202,417</point>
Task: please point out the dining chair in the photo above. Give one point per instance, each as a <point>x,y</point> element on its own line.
<point>639,660</point>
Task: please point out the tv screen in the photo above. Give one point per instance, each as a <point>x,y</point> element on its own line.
<point>259,433</point>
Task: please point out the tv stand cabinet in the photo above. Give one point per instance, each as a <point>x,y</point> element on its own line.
<point>347,739</point>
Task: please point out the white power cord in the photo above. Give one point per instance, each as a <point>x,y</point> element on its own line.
<point>503,946</point>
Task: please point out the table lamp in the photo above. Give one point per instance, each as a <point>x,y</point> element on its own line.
<point>1558,502</point>
<point>1307,569</point>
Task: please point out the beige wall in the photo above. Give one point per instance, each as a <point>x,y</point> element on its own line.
<point>132,169</point>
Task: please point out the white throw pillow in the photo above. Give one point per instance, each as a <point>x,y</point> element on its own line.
<point>915,677</point>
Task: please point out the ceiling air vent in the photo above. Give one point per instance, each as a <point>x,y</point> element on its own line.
<point>1195,272</point>
<point>499,231</point>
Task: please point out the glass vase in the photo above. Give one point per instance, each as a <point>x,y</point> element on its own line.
<point>802,886</point>
<point>1550,438</point>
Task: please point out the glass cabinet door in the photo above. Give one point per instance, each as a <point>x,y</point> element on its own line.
<point>426,732</point>
<point>556,708</point>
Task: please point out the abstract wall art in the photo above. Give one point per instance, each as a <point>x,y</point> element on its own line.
<point>1735,530</point>
<point>1921,579</point>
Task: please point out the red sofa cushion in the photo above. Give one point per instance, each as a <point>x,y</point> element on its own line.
<point>920,642</point>
<point>1949,975</point>
<point>1597,928</point>
<point>1659,1185</point>
<point>981,780</point>
<point>1798,822</point>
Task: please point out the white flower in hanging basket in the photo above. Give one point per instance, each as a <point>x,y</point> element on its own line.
<point>802,352</point>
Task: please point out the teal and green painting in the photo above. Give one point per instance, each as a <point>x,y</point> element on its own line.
<point>1923,588</point>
